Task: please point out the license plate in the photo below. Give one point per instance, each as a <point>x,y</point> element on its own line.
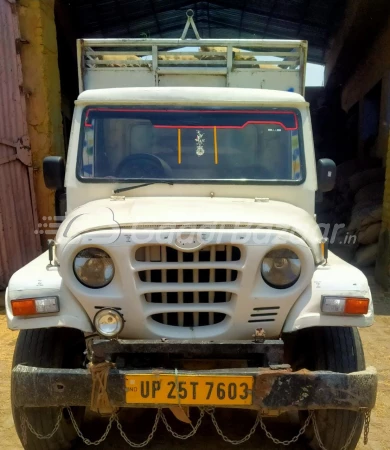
<point>189,389</point>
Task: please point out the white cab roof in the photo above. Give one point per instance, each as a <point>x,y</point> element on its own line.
<point>194,95</point>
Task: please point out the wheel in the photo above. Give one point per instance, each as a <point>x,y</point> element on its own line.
<point>49,348</point>
<point>143,165</point>
<point>338,349</point>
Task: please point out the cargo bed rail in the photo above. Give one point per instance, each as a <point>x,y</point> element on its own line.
<point>254,63</point>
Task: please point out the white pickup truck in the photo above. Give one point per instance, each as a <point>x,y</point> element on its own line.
<point>189,270</point>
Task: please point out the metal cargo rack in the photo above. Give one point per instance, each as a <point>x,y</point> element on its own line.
<point>253,63</point>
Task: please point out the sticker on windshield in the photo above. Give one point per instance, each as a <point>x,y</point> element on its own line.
<point>200,141</point>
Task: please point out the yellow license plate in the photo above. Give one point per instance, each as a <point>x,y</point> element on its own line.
<point>189,389</point>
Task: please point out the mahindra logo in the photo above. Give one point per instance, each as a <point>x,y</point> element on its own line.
<point>190,240</point>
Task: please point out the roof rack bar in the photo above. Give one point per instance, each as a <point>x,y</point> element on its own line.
<point>142,42</point>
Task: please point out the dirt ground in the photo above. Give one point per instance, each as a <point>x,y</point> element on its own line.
<point>376,341</point>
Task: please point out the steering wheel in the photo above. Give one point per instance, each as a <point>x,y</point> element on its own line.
<point>143,165</point>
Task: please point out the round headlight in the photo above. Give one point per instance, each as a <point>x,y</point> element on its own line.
<point>108,322</point>
<point>93,267</point>
<point>281,268</point>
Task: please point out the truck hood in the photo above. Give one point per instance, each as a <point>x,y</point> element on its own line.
<point>120,213</point>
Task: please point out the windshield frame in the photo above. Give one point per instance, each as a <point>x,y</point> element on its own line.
<point>233,181</point>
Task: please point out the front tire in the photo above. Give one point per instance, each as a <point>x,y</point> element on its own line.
<point>48,348</point>
<point>338,349</point>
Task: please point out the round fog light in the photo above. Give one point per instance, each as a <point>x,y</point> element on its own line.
<point>108,322</point>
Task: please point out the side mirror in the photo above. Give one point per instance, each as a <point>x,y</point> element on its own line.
<point>326,174</point>
<point>54,172</point>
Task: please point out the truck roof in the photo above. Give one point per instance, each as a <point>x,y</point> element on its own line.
<point>184,95</point>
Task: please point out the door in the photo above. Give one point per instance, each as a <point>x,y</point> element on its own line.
<point>19,240</point>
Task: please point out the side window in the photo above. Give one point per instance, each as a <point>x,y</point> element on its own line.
<point>88,151</point>
<point>296,160</point>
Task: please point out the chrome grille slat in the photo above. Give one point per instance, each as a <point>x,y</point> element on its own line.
<point>200,265</point>
<point>164,296</point>
<point>229,254</point>
<point>188,277</point>
<point>148,272</point>
<point>213,254</point>
<point>188,307</point>
<point>180,315</point>
<point>186,287</point>
<point>196,293</point>
<point>172,317</point>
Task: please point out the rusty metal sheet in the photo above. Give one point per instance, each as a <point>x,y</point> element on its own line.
<point>18,216</point>
<point>228,349</point>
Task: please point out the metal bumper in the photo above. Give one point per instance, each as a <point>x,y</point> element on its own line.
<point>274,389</point>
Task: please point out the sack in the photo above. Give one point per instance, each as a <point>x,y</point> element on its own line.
<point>176,57</point>
<point>361,179</point>
<point>371,192</point>
<point>364,214</point>
<point>369,234</point>
<point>366,255</point>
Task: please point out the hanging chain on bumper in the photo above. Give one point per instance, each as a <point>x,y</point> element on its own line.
<point>80,434</point>
<point>25,424</point>
<point>211,411</point>
<point>183,436</point>
<point>295,438</point>
<point>367,419</point>
<point>150,436</point>
<point>350,437</point>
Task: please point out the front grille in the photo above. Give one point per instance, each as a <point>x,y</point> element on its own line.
<point>189,320</point>
<point>189,297</point>
<point>188,275</point>
<point>211,253</point>
<point>172,276</point>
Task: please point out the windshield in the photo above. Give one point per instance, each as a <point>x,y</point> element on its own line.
<point>209,145</point>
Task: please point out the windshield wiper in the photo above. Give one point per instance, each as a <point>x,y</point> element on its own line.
<point>130,188</point>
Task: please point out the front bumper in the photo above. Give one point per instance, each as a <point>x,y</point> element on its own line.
<point>275,387</point>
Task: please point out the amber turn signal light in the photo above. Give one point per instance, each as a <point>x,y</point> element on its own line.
<point>25,307</point>
<point>356,306</point>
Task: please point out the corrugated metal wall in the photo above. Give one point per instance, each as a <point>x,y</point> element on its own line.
<point>18,217</point>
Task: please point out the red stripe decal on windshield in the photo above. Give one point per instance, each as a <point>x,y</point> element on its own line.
<point>201,111</point>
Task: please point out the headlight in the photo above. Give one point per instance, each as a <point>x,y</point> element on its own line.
<point>93,267</point>
<point>281,268</point>
<point>108,322</point>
